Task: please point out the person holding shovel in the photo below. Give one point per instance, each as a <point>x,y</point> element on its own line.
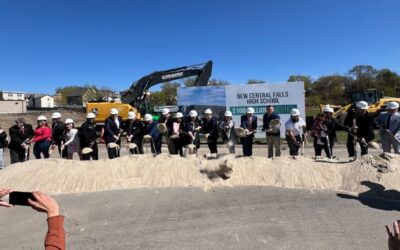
<point>389,128</point>
<point>295,128</point>
<point>112,130</point>
<point>210,131</point>
<point>192,127</point>
<point>228,132</point>
<point>21,134</point>
<point>72,141</point>
<point>134,132</point>
<point>88,137</point>
<point>249,123</point>
<point>57,137</point>
<point>42,138</point>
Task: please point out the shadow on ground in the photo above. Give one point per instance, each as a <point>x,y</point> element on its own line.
<point>376,197</point>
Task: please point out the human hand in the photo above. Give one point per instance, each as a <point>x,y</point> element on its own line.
<point>198,128</point>
<point>53,146</point>
<point>44,203</point>
<point>4,192</point>
<point>116,137</point>
<point>207,135</point>
<point>394,239</point>
<point>62,147</point>
<point>121,130</point>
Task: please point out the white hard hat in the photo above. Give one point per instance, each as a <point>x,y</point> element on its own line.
<point>327,109</point>
<point>178,115</point>
<point>42,118</point>
<point>55,115</point>
<point>208,112</point>
<point>68,121</point>
<point>393,105</point>
<point>228,113</point>
<point>131,115</point>
<point>362,105</point>
<point>90,115</point>
<point>165,111</point>
<point>193,113</point>
<point>250,110</point>
<point>114,111</point>
<point>148,117</point>
<point>294,112</point>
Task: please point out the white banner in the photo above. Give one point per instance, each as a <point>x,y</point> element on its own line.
<point>283,97</point>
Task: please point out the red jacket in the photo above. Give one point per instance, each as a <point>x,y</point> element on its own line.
<point>55,237</point>
<point>42,133</point>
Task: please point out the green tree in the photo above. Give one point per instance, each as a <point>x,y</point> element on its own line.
<point>302,78</point>
<point>169,89</point>
<point>388,82</point>
<point>217,82</point>
<point>364,77</point>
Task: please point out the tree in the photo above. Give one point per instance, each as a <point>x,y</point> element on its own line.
<point>216,82</point>
<point>364,76</point>
<point>332,88</point>
<point>302,78</point>
<point>388,82</point>
<point>189,82</point>
<point>169,89</point>
<point>255,81</point>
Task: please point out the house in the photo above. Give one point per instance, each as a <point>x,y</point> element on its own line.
<point>12,102</point>
<point>80,96</point>
<point>41,101</point>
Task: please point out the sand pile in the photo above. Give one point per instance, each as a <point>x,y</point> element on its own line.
<point>69,176</point>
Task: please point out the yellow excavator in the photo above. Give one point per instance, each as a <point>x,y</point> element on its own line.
<point>134,98</point>
<point>375,99</point>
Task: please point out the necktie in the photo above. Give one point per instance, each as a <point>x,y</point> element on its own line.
<point>388,121</point>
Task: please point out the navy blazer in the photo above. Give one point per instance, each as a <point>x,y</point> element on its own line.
<point>111,129</point>
<point>244,123</point>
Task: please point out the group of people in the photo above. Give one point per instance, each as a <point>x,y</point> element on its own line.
<point>182,132</point>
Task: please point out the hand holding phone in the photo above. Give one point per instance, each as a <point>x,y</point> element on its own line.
<point>21,198</point>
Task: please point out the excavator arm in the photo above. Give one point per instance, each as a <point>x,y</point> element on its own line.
<point>137,93</point>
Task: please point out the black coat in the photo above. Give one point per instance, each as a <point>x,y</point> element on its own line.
<point>244,123</point>
<point>136,129</point>
<point>18,137</point>
<point>111,129</point>
<point>3,137</point>
<point>365,124</point>
<point>58,132</point>
<point>210,127</point>
<point>168,122</point>
<point>87,134</point>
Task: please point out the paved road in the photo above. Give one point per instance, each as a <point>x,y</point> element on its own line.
<point>223,218</point>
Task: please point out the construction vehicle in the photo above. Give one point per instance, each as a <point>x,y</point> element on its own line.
<point>375,99</point>
<point>134,98</point>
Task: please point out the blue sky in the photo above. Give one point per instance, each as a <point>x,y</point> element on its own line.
<point>46,44</point>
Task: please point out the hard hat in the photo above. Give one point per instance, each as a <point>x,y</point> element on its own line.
<point>114,111</point>
<point>69,121</point>
<point>250,110</point>
<point>393,105</point>
<point>131,115</point>
<point>55,115</point>
<point>193,113</point>
<point>178,115</point>
<point>362,105</point>
<point>294,112</point>
<point>208,112</point>
<point>148,117</point>
<point>165,111</point>
<point>42,118</point>
<point>90,115</point>
<point>327,109</point>
<point>228,113</point>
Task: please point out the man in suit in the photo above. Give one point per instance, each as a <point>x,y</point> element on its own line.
<point>134,131</point>
<point>150,128</point>
<point>88,137</point>
<point>389,123</point>
<point>273,134</point>
<point>249,123</point>
<point>57,137</point>
<point>112,130</point>
<point>21,134</point>
<point>210,131</point>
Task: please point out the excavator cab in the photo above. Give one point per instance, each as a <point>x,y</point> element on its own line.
<point>371,96</point>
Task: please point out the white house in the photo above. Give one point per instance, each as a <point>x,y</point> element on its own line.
<point>12,96</point>
<point>41,101</point>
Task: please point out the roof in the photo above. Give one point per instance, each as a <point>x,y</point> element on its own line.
<point>79,91</point>
<point>14,92</point>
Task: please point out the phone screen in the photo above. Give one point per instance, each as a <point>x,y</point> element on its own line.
<point>20,198</point>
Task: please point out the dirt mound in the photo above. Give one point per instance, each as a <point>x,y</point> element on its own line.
<point>69,176</point>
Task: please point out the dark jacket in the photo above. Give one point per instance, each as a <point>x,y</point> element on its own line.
<point>111,129</point>
<point>136,129</point>
<point>3,137</point>
<point>58,132</point>
<point>167,122</point>
<point>365,124</point>
<point>151,129</point>
<point>244,123</point>
<point>210,127</point>
<point>18,136</point>
<point>333,125</point>
<point>266,120</point>
<point>87,134</point>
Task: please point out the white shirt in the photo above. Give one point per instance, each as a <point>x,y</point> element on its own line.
<point>295,127</point>
<point>117,122</point>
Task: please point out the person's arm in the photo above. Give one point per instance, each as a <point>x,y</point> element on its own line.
<point>4,192</point>
<point>44,135</point>
<point>14,136</point>
<point>55,237</point>
<point>73,134</point>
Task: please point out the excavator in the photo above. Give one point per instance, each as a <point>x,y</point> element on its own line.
<point>134,98</point>
<point>375,99</point>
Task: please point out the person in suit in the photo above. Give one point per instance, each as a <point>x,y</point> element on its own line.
<point>389,123</point>
<point>88,137</point>
<point>134,131</point>
<point>150,128</point>
<point>57,136</point>
<point>249,123</point>
<point>21,134</point>
<point>192,127</point>
<point>168,120</point>
<point>273,134</point>
<point>210,131</point>
<point>227,127</point>
<point>112,130</point>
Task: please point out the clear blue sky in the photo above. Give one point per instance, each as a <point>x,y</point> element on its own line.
<point>45,44</point>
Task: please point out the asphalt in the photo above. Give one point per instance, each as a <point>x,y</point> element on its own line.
<point>223,218</point>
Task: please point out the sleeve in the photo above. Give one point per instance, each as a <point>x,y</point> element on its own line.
<point>255,122</point>
<point>107,127</point>
<point>3,135</point>
<point>73,134</point>
<point>14,136</point>
<point>84,135</point>
<point>265,122</point>
<point>55,237</point>
<point>379,120</point>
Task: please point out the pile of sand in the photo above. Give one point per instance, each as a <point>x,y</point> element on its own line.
<point>68,176</point>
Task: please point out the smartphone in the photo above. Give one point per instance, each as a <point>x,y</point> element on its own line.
<point>20,198</point>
